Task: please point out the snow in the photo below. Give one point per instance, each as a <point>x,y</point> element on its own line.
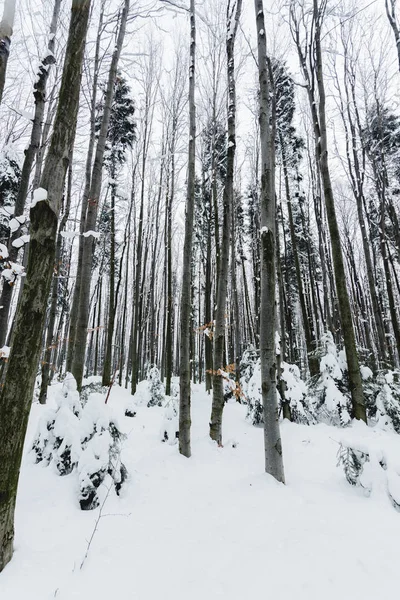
<point>14,224</point>
<point>214,526</point>
<point>5,352</point>
<point>95,234</point>
<point>19,242</point>
<point>39,195</point>
<point>3,251</point>
<point>69,234</point>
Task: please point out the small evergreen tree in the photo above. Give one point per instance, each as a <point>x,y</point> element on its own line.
<point>156,387</point>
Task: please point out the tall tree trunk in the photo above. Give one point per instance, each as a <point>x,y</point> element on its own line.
<point>86,192</point>
<point>50,340</point>
<point>233,16</point>
<point>30,153</point>
<point>106,380</point>
<point>78,360</point>
<point>16,396</point>
<point>272,437</point>
<point>353,366</point>
<point>6,31</point>
<point>169,342</point>
<point>307,319</point>
<point>391,15</point>
<point>186,292</point>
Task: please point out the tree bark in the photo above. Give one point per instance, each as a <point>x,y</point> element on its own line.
<point>78,360</point>
<point>6,31</point>
<point>233,17</point>
<point>86,192</point>
<point>16,395</point>
<point>186,292</point>
<point>30,154</point>
<point>272,437</point>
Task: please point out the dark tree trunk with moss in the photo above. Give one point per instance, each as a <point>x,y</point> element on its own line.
<point>16,396</point>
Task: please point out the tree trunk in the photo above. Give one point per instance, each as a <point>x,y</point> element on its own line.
<point>233,16</point>
<point>30,153</point>
<point>353,366</point>
<point>6,31</point>
<point>272,438</point>
<point>78,360</point>
<point>391,15</point>
<point>16,395</point>
<point>47,366</point>
<point>186,292</point>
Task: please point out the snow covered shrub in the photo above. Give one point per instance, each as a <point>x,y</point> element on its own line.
<point>369,468</point>
<point>101,445</point>
<point>86,440</point>
<point>130,410</point>
<point>250,383</point>
<point>330,389</point>
<point>352,461</point>
<point>170,424</point>
<point>57,439</point>
<point>387,401</point>
<point>92,386</point>
<point>156,387</point>
<point>302,409</point>
<point>247,366</point>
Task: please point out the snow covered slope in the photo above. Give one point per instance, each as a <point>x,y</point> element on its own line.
<point>209,528</point>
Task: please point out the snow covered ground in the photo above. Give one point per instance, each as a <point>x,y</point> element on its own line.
<point>212,527</point>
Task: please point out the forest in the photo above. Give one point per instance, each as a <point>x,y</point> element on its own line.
<point>199,259</point>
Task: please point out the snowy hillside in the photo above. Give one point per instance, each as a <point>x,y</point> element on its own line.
<point>215,526</point>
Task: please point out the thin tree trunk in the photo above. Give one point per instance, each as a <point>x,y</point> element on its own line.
<point>185,316</point>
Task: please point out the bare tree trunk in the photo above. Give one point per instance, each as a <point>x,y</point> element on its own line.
<point>106,379</point>
<point>6,31</point>
<point>78,360</point>
<point>320,132</point>
<point>391,15</point>
<point>50,341</point>
<point>30,153</point>
<point>233,16</point>
<point>272,437</point>
<point>186,293</point>
<point>16,395</point>
<point>88,178</point>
